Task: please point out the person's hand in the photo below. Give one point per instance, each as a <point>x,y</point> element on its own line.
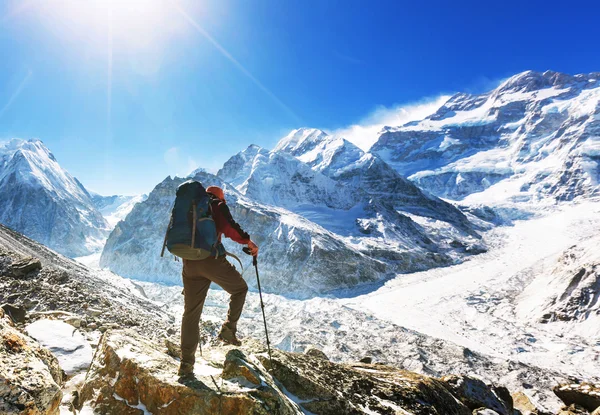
<point>253,248</point>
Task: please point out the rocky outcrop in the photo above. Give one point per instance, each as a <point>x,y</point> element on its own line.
<point>323,387</point>
<point>474,393</point>
<point>30,377</point>
<point>35,283</point>
<point>130,373</point>
<point>586,395</point>
<point>569,291</point>
<point>573,410</point>
<point>524,406</point>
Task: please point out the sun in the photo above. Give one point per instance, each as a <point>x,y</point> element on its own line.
<point>128,25</point>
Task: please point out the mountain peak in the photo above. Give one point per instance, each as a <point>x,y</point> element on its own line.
<point>531,81</point>
<point>300,138</point>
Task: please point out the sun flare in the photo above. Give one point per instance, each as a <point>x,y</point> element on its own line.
<point>130,25</point>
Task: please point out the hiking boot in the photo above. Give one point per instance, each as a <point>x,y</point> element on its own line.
<point>186,370</point>
<point>227,336</point>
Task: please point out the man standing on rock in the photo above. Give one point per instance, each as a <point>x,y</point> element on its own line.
<point>197,276</point>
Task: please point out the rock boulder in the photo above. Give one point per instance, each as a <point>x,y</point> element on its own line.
<point>586,395</point>
<point>30,377</point>
<point>129,373</point>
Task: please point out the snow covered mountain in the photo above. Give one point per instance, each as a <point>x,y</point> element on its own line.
<point>315,234</point>
<point>367,175</point>
<point>343,220</point>
<point>115,208</point>
<point>535,137</point>
<point>42,200</point>
<point>296,254</point>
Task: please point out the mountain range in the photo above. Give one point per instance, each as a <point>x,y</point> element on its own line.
<point>331,216</point>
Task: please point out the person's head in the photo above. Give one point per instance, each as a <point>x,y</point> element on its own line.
<point>216,191</point>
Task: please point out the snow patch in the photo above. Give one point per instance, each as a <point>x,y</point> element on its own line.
<point>67,343</point>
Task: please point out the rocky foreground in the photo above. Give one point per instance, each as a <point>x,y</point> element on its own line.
<point>131,374</point>
<point>74,341</point>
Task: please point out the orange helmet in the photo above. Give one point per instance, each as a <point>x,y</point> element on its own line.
<point>216,191</point>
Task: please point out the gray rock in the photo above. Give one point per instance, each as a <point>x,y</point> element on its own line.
<point>17,314</point>
<point>314,352</point>
<point>23,267</point>
<point>475,394</point>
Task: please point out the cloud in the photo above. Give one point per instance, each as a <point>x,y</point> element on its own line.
<point>365,133</point>
<point>179,164</point>
<point>182,164</point>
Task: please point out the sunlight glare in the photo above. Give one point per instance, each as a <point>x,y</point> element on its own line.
<point>135,25</point>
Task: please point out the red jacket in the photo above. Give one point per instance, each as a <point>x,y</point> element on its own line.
<point>225,223</point>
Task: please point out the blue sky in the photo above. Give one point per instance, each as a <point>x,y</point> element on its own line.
<point>127,92</point>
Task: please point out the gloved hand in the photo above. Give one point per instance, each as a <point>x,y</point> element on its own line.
<point>253,248</point>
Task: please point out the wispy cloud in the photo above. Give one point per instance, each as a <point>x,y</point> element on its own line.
<point>16,93</point>
<point>365,133</point>
<point>347,58</point>
<point>182,164</point>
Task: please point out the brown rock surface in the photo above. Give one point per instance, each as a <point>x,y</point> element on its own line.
<point>30,377</point>
<point>586,395</point>
<point>523,404</point>
<point>129,374</point>
<point>573,410</point>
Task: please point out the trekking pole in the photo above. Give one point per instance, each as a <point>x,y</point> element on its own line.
<point>262,305</point>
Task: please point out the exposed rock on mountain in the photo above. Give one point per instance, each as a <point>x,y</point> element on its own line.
<point>30,378</point>
<point>42,200</point>
<point>570,291</point>
<point>536,135</point>
<point>475,394</point>
<point>129,372</point>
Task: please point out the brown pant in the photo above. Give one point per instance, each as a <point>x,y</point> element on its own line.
<point>197,276</point>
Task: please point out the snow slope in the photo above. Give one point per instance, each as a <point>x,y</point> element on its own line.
<point>41,199</point>
<point>535,137</point>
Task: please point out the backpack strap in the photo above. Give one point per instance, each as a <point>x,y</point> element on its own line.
<point>162,252</point>
<point>194,220</point>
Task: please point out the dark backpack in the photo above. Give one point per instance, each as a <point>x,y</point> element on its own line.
<point>192,233</point>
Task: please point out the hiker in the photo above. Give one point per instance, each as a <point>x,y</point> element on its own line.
<point>197,276</point>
